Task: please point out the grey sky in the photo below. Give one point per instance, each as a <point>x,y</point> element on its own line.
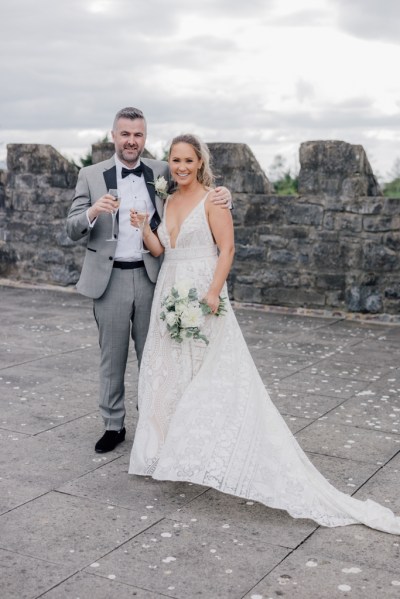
<point>270,73</point>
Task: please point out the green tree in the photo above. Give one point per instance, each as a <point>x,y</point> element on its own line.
<point>87,159</point>
<point>281,177</point>
<point>392,188</point>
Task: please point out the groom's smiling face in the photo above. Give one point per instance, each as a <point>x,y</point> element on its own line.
<point>129,137</point>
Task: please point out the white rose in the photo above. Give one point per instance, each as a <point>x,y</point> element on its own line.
<point>192,316</point>
<point>171,318</point>
<point>161,185</point>
<point>183,287</point>
<point>179,308</point>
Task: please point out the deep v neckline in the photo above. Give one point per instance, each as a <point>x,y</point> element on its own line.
<point>184,220</point>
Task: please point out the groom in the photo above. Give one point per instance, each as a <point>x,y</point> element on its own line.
<point>115,274</point>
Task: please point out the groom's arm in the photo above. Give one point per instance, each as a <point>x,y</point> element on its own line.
<point>221,196</point>
<point>77,220</point>
<point>83,212</point>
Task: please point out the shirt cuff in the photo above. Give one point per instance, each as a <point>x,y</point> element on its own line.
<point>91,223</point>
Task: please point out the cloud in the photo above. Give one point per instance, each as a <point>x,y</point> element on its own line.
<point>222,68</point>
<point>369,19</point>
<point>304,90</point>
<point>302,18</point>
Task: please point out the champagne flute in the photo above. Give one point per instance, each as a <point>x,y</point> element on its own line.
<point>117,198</point>
<point>140,207</point>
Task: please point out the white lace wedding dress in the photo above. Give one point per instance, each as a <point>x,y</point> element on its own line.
<point>206,417</point>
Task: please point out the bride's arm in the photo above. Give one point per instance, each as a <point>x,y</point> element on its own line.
<point>150,239</point>
<point>221,225</point>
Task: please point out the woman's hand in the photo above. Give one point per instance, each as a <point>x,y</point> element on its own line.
<point>212,300</point>
<point>138,219</point>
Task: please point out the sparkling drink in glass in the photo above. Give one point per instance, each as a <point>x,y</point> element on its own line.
<point>140,208</point>
<point>117,198</point>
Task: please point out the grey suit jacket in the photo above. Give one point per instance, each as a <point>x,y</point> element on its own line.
<point>93,182</point>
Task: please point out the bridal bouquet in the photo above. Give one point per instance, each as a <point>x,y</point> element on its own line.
<point>184,313</point>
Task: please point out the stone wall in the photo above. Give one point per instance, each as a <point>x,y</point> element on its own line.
<point>37,192</point>
<point>335,245</point>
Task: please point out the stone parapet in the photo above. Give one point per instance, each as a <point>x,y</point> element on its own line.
<point>336,168</point>
<point>334,246</point>
<point>38,189</point>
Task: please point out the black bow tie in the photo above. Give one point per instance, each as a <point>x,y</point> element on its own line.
<point>133,171</point>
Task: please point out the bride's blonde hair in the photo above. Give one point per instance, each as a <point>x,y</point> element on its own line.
<point>204,174</point>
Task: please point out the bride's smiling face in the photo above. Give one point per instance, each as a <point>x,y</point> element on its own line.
<point>184,163</point>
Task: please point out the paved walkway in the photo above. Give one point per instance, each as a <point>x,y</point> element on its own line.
<point>73,524</point>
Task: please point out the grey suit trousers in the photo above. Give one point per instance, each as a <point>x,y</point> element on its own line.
<point>123,311</point>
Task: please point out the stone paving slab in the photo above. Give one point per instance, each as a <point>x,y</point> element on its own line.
<point>370,411</point>
<point>368,356</point>
<point>279,365</point>
<point>360,329</point>
<point>42,335</point>
<point>90,586</point>
<point>37,411</point>
<point>74,524</point>
<point>384,487</point>
<point>306,346</point>
<point>68,530</point>
<point>52,371</point>
<point>304,405</point>
<point>389,388</point>
<point>295,423</point>
<point>310,345</point>
<point>14,355</point>
<point>305,574</point>
<point>265,323</point>
<point>309,382</point>
<point>32,406</point>
<point>245,519</point>
<point>357,544</point>
<point>392,334</point>
<point>345,369</point>
<point>111,484</point>
<point>345,441</point>
<point>15,492</point>
<point>346,475</point>
<point>65,342</point>
<point>172,557</point>
<point>381,344</point>
<point>55,456</point>
<point>24,577</point>
<point>388,384</point>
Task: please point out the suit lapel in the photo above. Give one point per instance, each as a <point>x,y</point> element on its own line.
<point>149,178</point>
<point>151,188</point>
<point>110,177</point>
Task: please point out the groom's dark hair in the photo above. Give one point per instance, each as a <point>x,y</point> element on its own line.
<point>128,113</point>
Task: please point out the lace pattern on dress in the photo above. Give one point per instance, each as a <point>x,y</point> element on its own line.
<point>206,417</point>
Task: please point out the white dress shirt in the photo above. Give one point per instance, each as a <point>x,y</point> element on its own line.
<point>131,188</point>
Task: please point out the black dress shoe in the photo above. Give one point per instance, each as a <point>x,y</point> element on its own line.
<point>109,441</point>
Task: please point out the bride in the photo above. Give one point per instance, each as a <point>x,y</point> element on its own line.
<point>204,414</point>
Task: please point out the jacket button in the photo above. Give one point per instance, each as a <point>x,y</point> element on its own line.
<point>110,258</point>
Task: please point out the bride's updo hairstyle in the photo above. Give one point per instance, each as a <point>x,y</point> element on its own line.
<point>204,174</point>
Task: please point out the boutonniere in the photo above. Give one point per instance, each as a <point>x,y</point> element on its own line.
<point>161,187</point>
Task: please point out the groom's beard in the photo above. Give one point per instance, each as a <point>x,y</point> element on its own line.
<point>129,155</point>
